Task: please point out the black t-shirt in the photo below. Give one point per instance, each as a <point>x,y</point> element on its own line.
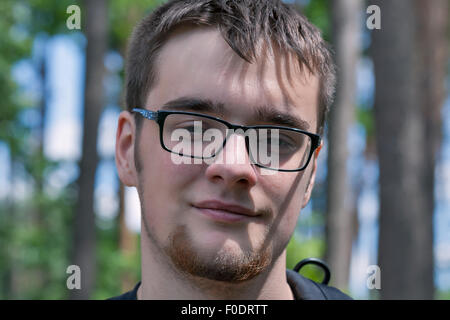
<point>302,288</point>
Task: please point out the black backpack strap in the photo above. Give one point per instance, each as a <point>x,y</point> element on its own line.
<point>332,293</point>
<point>306,289</point>
<point>316,262</point>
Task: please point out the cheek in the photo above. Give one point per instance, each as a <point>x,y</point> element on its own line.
<point>164,173</point>
<point>287,192</point>
<point>165,185</point>
<point>286,189</point>
<point>178,173</point>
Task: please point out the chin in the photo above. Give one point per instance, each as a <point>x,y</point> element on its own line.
<point>219,262</point>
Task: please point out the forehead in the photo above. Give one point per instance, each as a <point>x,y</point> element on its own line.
<point>198,63</point>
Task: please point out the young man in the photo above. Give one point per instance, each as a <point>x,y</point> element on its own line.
<point>232,79</point>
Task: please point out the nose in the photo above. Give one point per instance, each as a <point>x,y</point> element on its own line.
<point>232,165</point>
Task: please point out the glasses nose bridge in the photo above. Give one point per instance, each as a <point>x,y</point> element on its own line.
<point>235,127</point>
<point>232,128</point>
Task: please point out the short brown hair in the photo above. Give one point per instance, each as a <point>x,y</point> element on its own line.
<point>242,24</point>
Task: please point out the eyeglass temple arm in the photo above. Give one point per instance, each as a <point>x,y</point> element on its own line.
<point>151,115</point>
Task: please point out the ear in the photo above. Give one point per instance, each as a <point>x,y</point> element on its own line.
<point>125,139</point>
<point>312,177</point>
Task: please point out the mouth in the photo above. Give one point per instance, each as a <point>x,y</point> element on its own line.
<point>223,212</point>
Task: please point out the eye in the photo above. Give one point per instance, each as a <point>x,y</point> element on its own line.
<point>287,144</point>
<point>287,141</point>
<point>192,126</point>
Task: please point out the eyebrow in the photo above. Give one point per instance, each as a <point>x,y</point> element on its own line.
<point>264,114</point>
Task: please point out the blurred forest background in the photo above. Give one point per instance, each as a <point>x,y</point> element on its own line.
<point>382,194</point>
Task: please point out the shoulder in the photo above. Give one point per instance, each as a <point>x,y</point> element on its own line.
<point>306,289</point>
<point>130,295</point>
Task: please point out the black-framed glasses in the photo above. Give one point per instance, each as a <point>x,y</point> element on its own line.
<point>201,136</point>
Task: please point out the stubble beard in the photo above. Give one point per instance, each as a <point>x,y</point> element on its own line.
<point>223,265</point>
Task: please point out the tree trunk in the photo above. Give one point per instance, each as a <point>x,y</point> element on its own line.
<point>8,218</point>
<point>432,40</point>
<point>340,212</point>
<point>405,255</point>
<point>84,225</point>
<point>38,212</point>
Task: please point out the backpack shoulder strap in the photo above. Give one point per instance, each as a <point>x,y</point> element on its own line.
<point>306,289</point>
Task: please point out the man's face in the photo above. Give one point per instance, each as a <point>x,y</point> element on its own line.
<point>197,63</point>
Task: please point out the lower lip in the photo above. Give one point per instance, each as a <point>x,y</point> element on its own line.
<point>222,216</point>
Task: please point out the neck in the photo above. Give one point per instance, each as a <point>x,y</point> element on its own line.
<point>160,280</point>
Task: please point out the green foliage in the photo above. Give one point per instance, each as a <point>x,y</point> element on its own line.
<point>14,45</point>
<point>37,228</point>
<point>442,295</point>
<point>48,16</point>
<point>318,12</point>
<point>366,118</point>
<point>36,254</point>
<point>123,15</point>
<point>298,250</point>
<point>113,264</point>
